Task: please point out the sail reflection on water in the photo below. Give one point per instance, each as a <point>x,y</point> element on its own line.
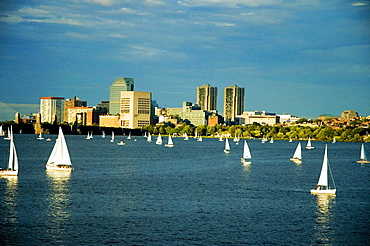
<point>59,195</point>
<point>323,231</point>
<point>9,210</point>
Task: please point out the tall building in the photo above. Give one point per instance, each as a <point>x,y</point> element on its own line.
<point>52,109</point>
<point>135,109</point>
<point>233,102</point>
<point>120,84</point>
<point>207,97</point>
<point>75,102</point>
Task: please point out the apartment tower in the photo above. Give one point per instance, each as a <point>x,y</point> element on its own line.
<point>233,102</point>
<point>207,97</point>
<point>52,109</point>
<point>120,84</point>
<point>135,109</point>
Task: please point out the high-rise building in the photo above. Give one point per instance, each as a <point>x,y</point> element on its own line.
<point>52,109</point>
<point>120,84</point>
<point>207,97</point>
<point>75,102</point>
<point>135,109</point>
<point>233,102</point>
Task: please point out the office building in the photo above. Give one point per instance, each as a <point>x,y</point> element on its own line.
<point>207,97</point>
<point>135,109</point>
<point>120,84</point>
<point>233,103</point>
<point>191,113</point>
<point>52,109</point>
<point>75,102</point>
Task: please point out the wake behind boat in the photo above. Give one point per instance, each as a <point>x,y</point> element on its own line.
<point>59,158</point>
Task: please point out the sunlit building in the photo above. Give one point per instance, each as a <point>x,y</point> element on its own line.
<point>233,103</point>
<point>207,97</point>
<point>52,109</point>
<point>135,109</point>
<point>119,85</point>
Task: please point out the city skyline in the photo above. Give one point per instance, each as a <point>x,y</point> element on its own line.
<point>304,58</point>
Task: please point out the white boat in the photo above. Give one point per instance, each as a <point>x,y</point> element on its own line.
<point>363,158</point>
<point>103,134</point>
<point>2,133</point>
<point>112,137</point>
<point>322,186</point>
<point>40,137</point>
<point>159,139</point>
<point>59,158</point>
<point>220,139</point>
<point>89,136</point>
<point>334,140</point>
<point>12,169</point>
<point>122,142</point>
<point>170,142</point>
<point>290,140</point>
<point>200,139</point>
<point>264,139</point>
<point>246,154</point>
<point>227,146</point>
<point>309,145</point>
<point>149,138</point>
<point>8,137</point>
<point>129,136</point>
<point>186,136</point>
<point>272,140</point>
<point>297,156</point>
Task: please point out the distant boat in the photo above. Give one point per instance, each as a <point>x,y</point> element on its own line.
<point>272,140</point>
<point>149,138</point>
<point>122,142</point>
<point>103,134</point>
<point>112,137</point>
<point>59,158</point>
<point>12,169</point>
<point>170,142</point>
<point>40,137</point>
<point>159,139</point>
<point>264,139</point>
<point>2,133</point>
<point>129,136</point>
<point>186,136</point>
<point>297,156</point>
<point>309,145</point>
<point>334,140</point>
<point>89,135</point>
<point>363,158</point>
<point>8,137</point>
<point>246,154</point>
<point>220,139</point>
<point>290,140</point>
<point>227,146</point>
<point>200,139</point>
<point>322,186</point>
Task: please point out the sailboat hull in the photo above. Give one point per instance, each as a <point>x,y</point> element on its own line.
<point>245,162</point>
<point>363,161</point>
<point>8,172</point>
<point>296,160</point>
<point>330,192</point>
<point>61,167</point>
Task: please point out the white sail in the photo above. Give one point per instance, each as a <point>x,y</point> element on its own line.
<point>1,131</point>
<point>112,137</point>
<point>323,180</point>
<point>13,158</point>
<point>40,137</point>
<point>227,146</point>
<point>298,152</point>
<point>149,138</point>
<point>363,154</point>
<point>103,134</point>
<point>186,136</point>
<point>334,140</point>
<point>309,145</point>
<point>59,158</point>
<point>272,140</point>
<point>129,136</point>
<point>170,142</point>
<point>159,139</point>
<point>246,151</point>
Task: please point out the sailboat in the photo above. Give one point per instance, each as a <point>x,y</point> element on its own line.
<point>170,142</point>
<point>334,140</point>
<point>129,136</point>
<point>227,146</point>
<point>122,142</point>
<point>89,136</point>
<point>149,138</point>
<point>159,139</point>
<point>2,133</point>
<point>103,134</point>
<point>220,139</point>
<point>290,140</point>
<point>59,158</point>
<point>8,137</point>
<point>40,137</point>
<point>272,140</point>
<point>309,145</point>
<point>264,139</point>
<point>322,186</point>
<point>246,154</point>
<point>200,139</point>
<point>297,156</point>
<point>186,136</point>
<point>12,169</point>
<point>112,137</point>
<point>363,158</point>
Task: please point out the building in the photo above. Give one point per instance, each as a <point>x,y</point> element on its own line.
<point>349,114</point>
<point>109,121</point>
<point>233,103</point>
<point>52,109</point>
<point>260,117</point>
<point>120,84</point>
<point>190,112</point>
<point>207,98</point>
<point>82,115</point>
<point>135,109</point>
<point>75,102</point>
<point>287,118</point>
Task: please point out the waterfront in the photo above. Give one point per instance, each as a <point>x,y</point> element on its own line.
<point>192,194</point>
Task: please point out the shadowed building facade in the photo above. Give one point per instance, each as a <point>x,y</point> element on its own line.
<point>233,103</point>
<point>120,84</point>
<point>207,97</point>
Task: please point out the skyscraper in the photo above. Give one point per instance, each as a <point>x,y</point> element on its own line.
<point>120,84</point>
<point>135,109</point>
<point>233,102</point>
<point>207,97</point>
<point>51,109</point>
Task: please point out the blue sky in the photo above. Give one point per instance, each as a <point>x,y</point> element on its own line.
<point>300,57</point>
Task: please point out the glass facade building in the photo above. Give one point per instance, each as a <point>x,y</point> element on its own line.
<point>120,84</point>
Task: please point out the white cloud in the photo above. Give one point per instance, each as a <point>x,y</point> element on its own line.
<point>358,4</point>
<point>155,2</point>
<point>117,35</point>
<point>106,3</point>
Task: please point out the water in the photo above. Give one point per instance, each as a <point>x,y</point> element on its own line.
<point>192,194</point>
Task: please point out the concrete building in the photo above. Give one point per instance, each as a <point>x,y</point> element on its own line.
<point>207,98</point>
<point>135,109</point>
<point>120,84</point>
<point>190,112</point>
<point>52,109</point>
<point>75,102</point>
<point>260,117</point>
<point>349,114</point>
<point>233,103</point>
<point>287,118</point>
<point>83,115</point>
<point>109,121</point>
